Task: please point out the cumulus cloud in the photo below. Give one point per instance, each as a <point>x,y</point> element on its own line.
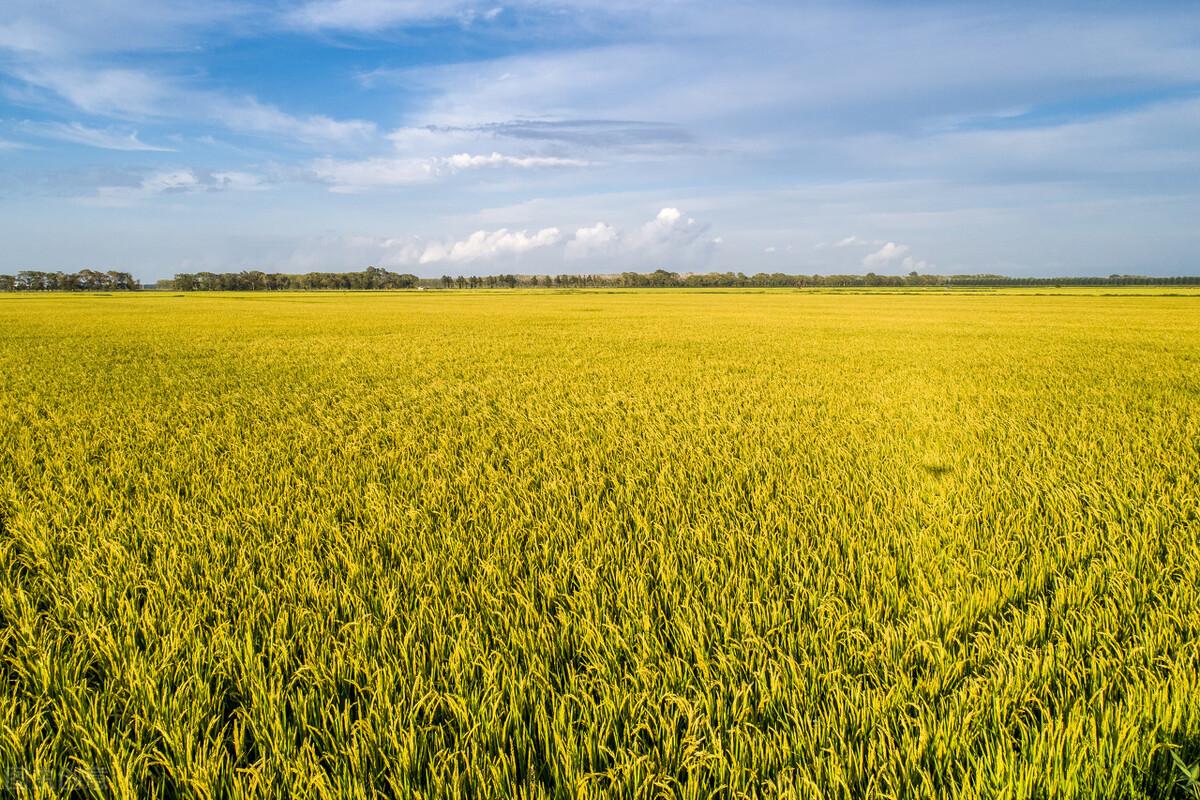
<point>490,245</point>
<point>917,264</point>
<point>885,255</point>
<point>601,247</point>
<point>672,233</point>
<point>598,239</point>
<point>892,253</point>
<point>669,237</point>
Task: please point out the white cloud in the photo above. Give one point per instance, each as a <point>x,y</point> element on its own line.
<point>136,94</point>
<point>891,252</point>
<point>355,176</point>
<point>115,92</point>
<point>26,36</point>
<point>917,264</point>
<point>552,138</point>
<point>1155,138</point>
<point>237,181</point>
<point>373,16</point>
<point>172,182</point>
<point>601,247</point>
<point>672,234</point>
<point>370,15</point>
<point>106,139</point>
<point>57,28</point>
<point>463,161</point>
<point>970,63</point>
<point>249,115</point>
<point>668,238</point>
<point>599,239</point>
<point>490,245</point>
<point>885,255</point>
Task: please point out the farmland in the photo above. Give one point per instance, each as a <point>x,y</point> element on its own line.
<point>633,544</point>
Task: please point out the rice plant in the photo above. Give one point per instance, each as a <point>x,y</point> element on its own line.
<point>625,544</point>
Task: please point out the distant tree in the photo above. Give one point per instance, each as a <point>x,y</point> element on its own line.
<point>374,277</point>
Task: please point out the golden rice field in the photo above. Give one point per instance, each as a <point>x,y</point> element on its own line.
<point>575,545</point>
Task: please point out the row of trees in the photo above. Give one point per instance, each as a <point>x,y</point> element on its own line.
<point>86,280</point>
<point>379,278</point>
<point>665,279</point>
<point>485,281</point>
<point>254,280</point>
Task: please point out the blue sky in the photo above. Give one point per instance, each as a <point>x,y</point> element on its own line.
<point>455,137</point>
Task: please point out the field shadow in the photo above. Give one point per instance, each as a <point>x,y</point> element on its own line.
<point>1167,775</point>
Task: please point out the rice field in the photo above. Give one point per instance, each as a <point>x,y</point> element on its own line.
<point>623,544</point>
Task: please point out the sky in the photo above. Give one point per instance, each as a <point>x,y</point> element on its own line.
<point>599,136</point>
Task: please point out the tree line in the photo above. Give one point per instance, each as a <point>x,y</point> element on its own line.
<point>85,280</point>
<point>380,278</point>
<point>255,280</point>
<point>664,279</point>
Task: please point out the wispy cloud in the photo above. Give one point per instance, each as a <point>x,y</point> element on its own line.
<point>581,138</point>
<point>346,176</point>
<point>249,115</point>
<point>62,28</point>
<point>112,92</point>
<point>103,138</point>
<point>173,183</point>
<point>463,161</point>
<point>381,16</point>
<point>131,94</point>
<point>370,15</point>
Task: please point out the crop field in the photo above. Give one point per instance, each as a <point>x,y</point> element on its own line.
<point>600,544</point>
